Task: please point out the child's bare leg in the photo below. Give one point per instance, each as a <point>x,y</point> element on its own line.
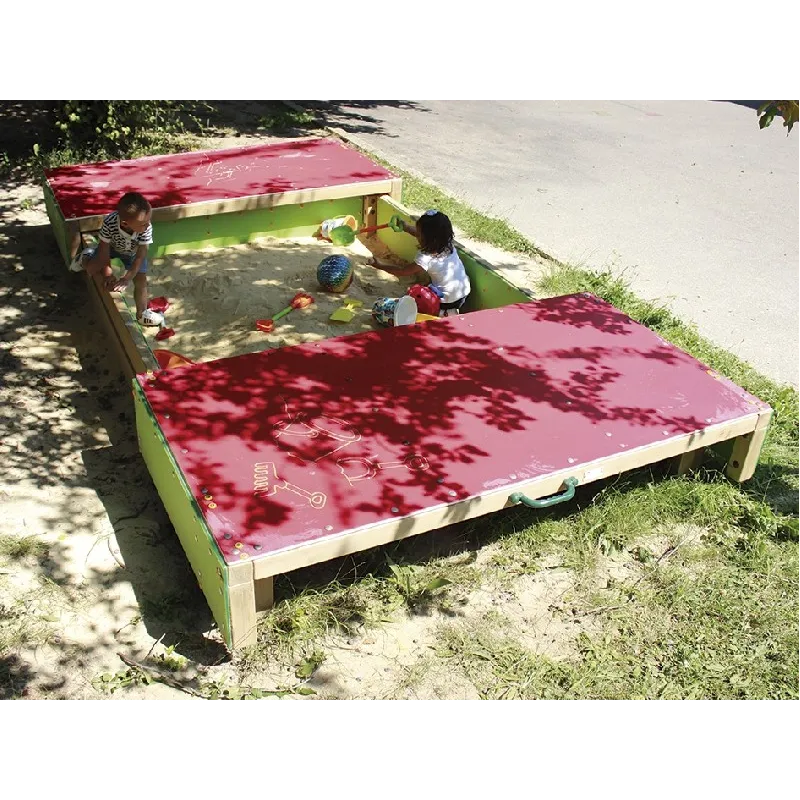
<point>97,265</point>
<point>140,293</point>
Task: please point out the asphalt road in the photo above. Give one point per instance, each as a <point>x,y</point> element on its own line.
<point>697,203</point>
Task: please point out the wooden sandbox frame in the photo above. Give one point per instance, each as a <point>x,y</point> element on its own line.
<point>236,592</point>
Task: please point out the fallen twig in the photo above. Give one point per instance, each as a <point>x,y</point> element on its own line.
<point>599,610</point>
<point>158,675</point>
<point>155,643</point>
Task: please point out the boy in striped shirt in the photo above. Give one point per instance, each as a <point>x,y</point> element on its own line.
<point>126,234</point>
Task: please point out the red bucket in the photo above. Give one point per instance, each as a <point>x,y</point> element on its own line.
<point>427,300</point>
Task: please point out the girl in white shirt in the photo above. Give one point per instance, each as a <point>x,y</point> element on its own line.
<point>437,261</point>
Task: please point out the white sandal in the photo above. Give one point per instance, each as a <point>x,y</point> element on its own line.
<point>151,318</point>
<point>77,263</point>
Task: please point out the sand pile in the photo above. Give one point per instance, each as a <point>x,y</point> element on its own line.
<point>216,296</point>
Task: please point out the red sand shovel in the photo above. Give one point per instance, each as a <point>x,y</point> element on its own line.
<point>300,300</point>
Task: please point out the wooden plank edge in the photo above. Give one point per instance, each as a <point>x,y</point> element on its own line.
<point>396,529</point>
<point>253,202</point>
<point>123,328</point>
<point>146,417</point>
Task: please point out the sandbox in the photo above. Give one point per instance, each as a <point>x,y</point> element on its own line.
<point>277,451</point>
<point>217,296</point>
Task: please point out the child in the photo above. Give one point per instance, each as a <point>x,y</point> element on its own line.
<point>126,234</point>
<point>437,261</point>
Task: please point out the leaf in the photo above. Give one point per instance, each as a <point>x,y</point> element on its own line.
<point>437,583</point>
<point>396,571</point>
<point>305,690</point>
<point>306,669</point>
<point>790,527</point>
<point>790,114</point>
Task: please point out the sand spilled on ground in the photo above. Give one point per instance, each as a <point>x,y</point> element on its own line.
<point>216,296</point>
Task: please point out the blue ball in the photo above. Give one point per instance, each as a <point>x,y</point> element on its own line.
<point>335,273</point>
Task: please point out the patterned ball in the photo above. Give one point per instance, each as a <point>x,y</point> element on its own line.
<point>335,273</point>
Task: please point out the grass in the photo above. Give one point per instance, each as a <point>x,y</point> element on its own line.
<point>372,587</point>
<point>717,625</point>
<point>25,620</point>
<point>22,547</point>
<point>613,518</point>
<point>282,117</point>
<point>496,664</point>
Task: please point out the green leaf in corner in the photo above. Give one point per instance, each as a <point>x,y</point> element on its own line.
<point>306,668</point>
<point>763,107</point>
<point>437,583</point>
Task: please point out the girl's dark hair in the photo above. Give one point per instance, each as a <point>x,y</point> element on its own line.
<point>435,233</point>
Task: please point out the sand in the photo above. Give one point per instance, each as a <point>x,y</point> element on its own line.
<point>216,296</point>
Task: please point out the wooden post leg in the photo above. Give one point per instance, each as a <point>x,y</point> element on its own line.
<point>370,211</point>
<point>74,241</point>
<point>396,192</point>
<point>265,597</point>
<point>242,603</point>
<point>746,450</point>
<point>691,461</point>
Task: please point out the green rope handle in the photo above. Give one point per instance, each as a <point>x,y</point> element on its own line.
<point>567,494</point>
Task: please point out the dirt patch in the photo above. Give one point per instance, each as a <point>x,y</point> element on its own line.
<point>216,296</point>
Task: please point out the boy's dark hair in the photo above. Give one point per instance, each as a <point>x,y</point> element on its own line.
<point>435,233</point>
<point>132,204</point>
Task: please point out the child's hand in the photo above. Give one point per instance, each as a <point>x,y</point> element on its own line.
<point>118,284</point>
